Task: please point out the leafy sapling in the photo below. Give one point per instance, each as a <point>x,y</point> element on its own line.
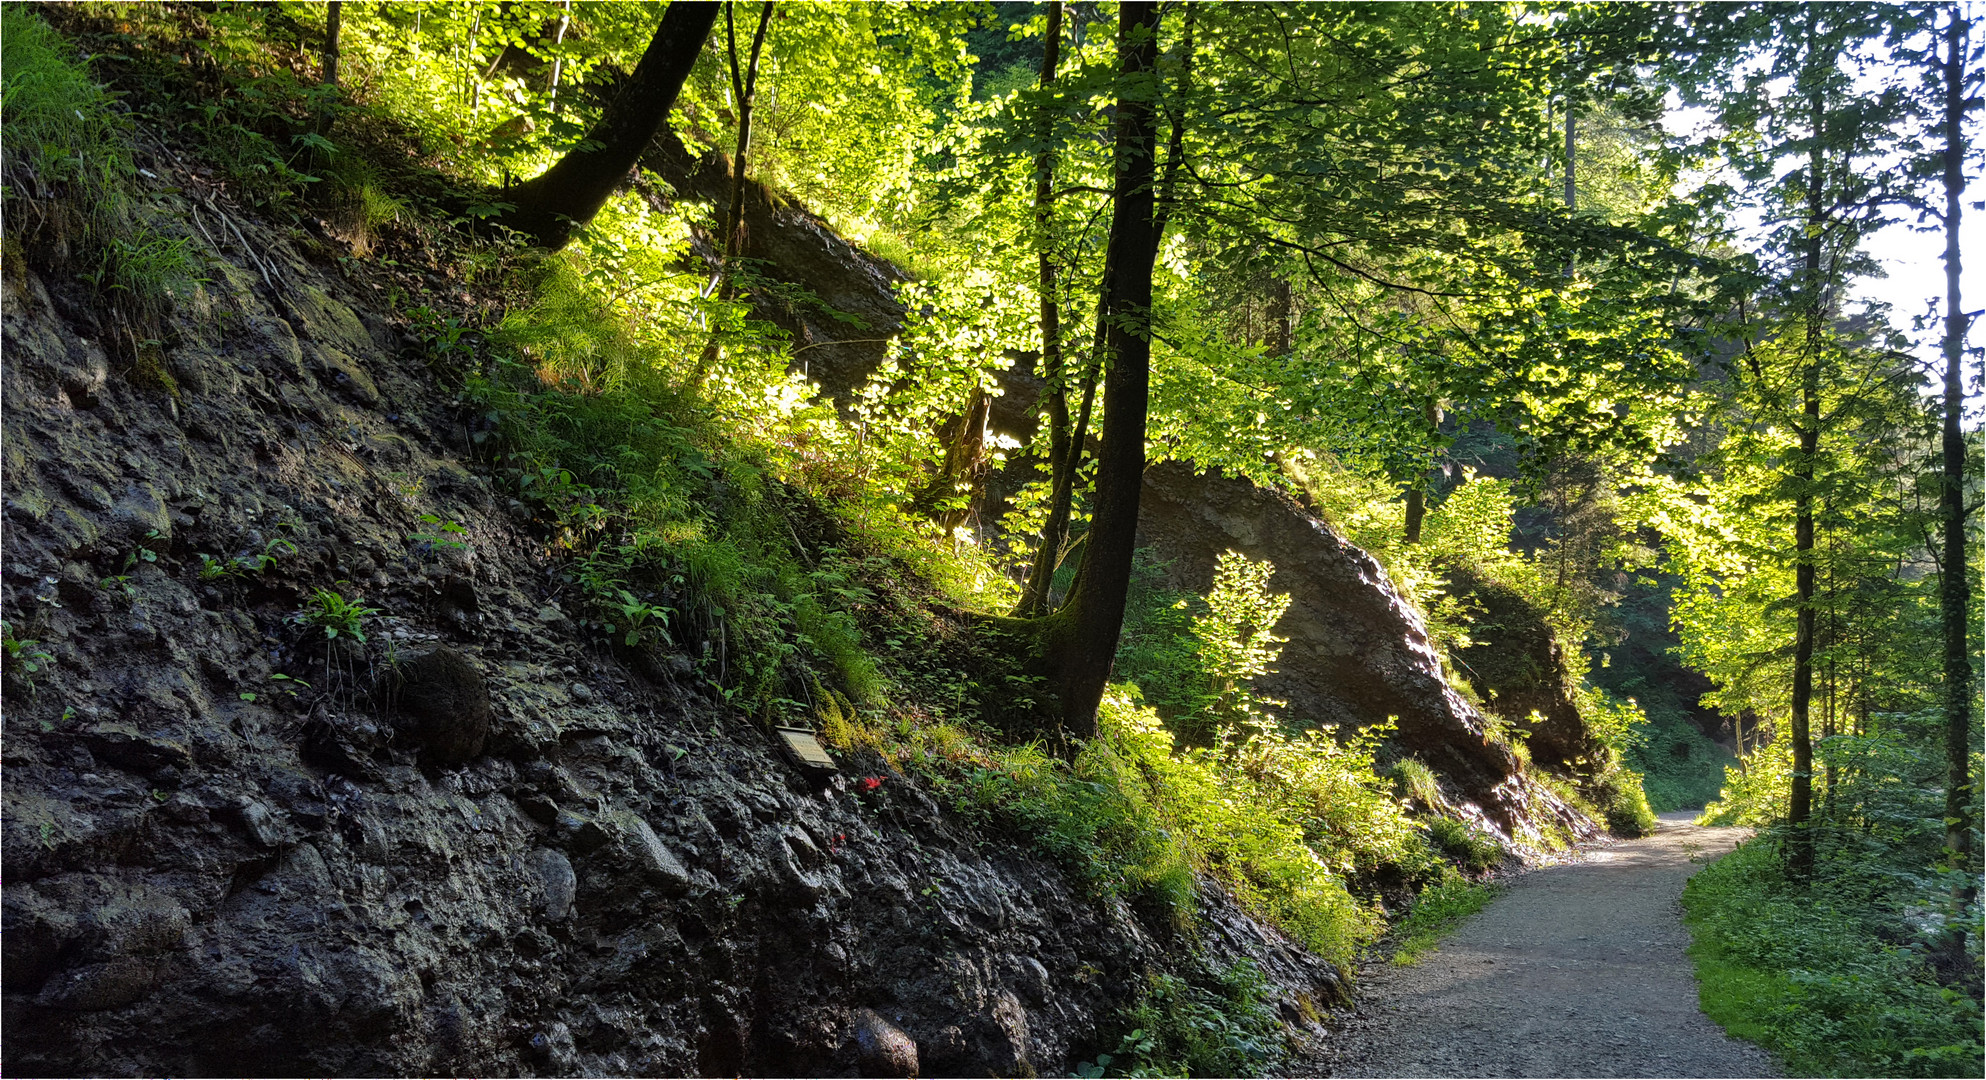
<point>24,656</point>
<point>439,535</point>
<point>637,621</point>
<point>329,611</point>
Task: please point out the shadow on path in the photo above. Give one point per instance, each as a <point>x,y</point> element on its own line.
<point>1577,970</point>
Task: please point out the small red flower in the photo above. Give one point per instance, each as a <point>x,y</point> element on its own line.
<point>871,783</point>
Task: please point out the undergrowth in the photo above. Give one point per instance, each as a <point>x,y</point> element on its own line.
<point>1219,1023</point>
<point>69,193</point>
<point>1840,978</point>
<point>1871,965</point>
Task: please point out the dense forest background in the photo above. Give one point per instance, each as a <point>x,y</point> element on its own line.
<point>1558,311</point>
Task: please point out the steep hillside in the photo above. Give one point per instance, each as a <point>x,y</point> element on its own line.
<point>337,741</point>
<point>472,840</point>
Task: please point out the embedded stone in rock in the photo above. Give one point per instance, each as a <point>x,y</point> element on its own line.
<point>560,884</point>
<point>124,745</point>
<point>98,986</point>
<point>444,705</point>
<point>656,862</point>
<point>881,1048</point>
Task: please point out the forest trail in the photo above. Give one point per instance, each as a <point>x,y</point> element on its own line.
<point>1578,970</point>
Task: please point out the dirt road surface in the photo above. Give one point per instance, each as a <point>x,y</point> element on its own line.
<point>1577,970</point>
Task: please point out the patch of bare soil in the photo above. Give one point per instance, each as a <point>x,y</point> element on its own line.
<point>1578,970</point>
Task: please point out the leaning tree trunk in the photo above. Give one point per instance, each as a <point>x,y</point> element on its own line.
<point>1954,588</point>
<point>564,197</point>
<point>1086,638</point>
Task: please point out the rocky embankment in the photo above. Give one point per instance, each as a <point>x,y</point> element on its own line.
<point>233,846</point>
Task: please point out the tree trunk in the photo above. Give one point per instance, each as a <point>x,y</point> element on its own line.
<point>1954,587</point>
<point>1799,811</point>
<point>1090,622</point>
<point>1417,495</point>
<point>1571,148</point>
<point>332,17</point>
<point>567,195</point>
<point>1281,337</point>
<point>744,89</point>
<point>558,62</point>
<point>1034,596</point>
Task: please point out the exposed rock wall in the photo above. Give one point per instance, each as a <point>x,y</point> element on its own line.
<point>519,858</point>
<point>1522,673</point>
<point>1357,652</point>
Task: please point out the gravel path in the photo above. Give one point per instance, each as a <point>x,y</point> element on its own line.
<point>1577,970</point>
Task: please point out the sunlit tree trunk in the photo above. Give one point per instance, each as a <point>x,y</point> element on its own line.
<point>558,62</point>
<point>567,195</point>
<point>1034,596</point>
<point>1085,638</point>
<point>744,90</point>
<point>1799,812</point>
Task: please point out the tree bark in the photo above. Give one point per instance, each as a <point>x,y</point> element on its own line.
<point>1571,148</point>
<point>1799,811</point>
<point>558,62</point>
<point>567,195</point>
<point>1034,595</point>
<point>332,17</point>
<point>1092,619</point>
<point>1954,586</point>
<point>1417,495</point>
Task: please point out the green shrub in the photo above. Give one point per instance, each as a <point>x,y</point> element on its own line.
<point>63,144</point>
<point>329,611</point>
<point>1281,823</point>
<point>1617,792</point>
<point>1474,851</point>
<point>1220,1026</point>
<point>1416,781</point>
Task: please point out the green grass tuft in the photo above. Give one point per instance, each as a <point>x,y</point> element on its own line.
<point>1438,910</point>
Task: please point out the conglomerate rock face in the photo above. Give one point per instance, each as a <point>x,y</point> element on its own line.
<point>1357,653</point>
<point>514,857</point>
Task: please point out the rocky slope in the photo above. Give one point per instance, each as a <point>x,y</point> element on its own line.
<point>516,856</point>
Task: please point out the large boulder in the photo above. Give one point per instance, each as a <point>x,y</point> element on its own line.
<point>1358,653</point>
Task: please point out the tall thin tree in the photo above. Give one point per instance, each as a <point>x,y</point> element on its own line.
<point>1034,596</point>
<point>1085,632</point>
<point>1954,589</point>
<point>744,92</point>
